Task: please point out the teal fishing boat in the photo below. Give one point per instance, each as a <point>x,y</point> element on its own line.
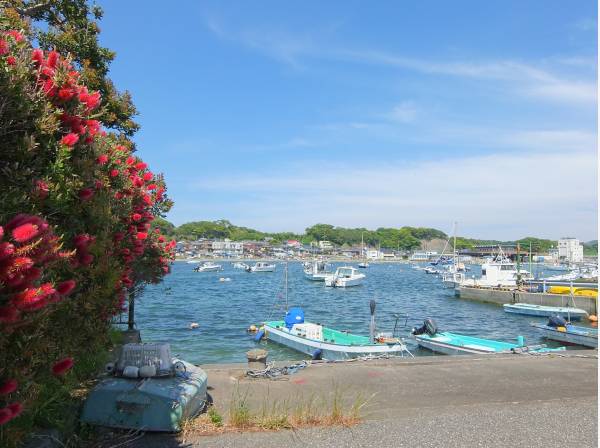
<point>147,390</point>
<point>544,311</point>
<point>448,343</point>
<point>321,342</point>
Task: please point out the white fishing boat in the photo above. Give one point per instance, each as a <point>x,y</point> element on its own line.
<point>452,279</point>
<point>317,271</point>
<point>208,266</point>
<point>240,265</point>
<point>321,342</point>
<point>499,272</point>
<point>559,329</point>
<point>345,276</point>
<point>193,261</point>
<point>545,311</point>
<point>262,266</point>
<point>430,270</point>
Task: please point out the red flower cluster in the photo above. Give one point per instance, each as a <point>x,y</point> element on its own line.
<point>22,261</point>
<point>62,366</point>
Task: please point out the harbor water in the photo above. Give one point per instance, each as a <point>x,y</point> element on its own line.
<point>224,310</point>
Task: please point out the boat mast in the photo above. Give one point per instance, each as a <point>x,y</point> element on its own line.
<point>454,250</point>
<point>286,286</point>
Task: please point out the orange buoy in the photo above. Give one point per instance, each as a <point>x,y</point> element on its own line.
<point>593,318</point>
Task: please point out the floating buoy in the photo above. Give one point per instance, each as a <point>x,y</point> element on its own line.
<point>593,318</point>
<point>194,325</point>
<point>224,279</point>
<point>252,329</point>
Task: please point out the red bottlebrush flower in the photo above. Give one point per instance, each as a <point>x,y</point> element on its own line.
<point>33,298</point>
<point>148,176</point>
<point>41,189</point>
<point>102,159</point>
<point>121,148</point>
<point>141,166</point>
<point>147,199</point>
<point>1,232</point>
<point>86,259</point>
<point>9,387</point>
<point>114,173</point>
<point>62,366</point>
<point>141,235</point>
<point>25,232</point>
<point>161,238</point>
<point>3,47</point>
<point>16,409</point>
<point>82,241</point>
<point>65,288</point>
<point>48,87</point>
<point>118,195</point>
<point>37,56</point>
<point>118,236</point>
<point>130,160</point>
<point>8,314</point>
<point>98,185</point>
<point>86,194</point>
<point>69,139</point>
<point>5,415</point>
<point>6,250</point>
<point>136,217</point>
<point>22,263</point>
<point>10,60</point>
<point>18,37</point>
<point>52,59</point>
<point>66,94</point>
<point>93,126</point>
<point>151,187</point>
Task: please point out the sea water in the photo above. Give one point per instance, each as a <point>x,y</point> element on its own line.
<point>225,310</point>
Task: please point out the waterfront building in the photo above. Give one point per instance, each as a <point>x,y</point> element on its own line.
<point>325,245</point>
<point>228,248</point>
<point>570,249</point>
<point>423,256</point>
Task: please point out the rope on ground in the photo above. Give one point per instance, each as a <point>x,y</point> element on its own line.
<point>275,373</point>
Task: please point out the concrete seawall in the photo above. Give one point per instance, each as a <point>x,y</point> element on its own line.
<point>500,297</point>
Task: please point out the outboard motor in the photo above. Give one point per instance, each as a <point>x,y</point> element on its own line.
<point>429,327</point>
<point>557,321</point>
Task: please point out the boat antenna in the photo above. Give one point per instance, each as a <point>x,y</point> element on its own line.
<point>372,305</point>
<point>286,285</point>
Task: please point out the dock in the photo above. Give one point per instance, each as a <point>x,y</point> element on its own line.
<point>502,296</point>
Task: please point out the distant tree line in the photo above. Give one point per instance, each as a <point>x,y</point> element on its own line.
<point>403,238</point>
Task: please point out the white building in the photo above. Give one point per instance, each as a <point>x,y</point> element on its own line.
<point>325,245</point>
<point>423,256</point>
<point>569,249</point>
<point>373,254</point>
<point>227,247</point>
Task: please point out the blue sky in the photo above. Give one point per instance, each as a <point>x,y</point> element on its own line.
<point>280,115</point>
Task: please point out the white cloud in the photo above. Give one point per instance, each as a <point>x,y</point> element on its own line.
<point>498,196</point>
<point>405,112</point>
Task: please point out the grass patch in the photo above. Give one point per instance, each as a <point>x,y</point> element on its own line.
<point>338,407</point>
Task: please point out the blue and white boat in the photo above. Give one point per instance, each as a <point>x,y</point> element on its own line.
<point>545,311</point>
<point>448,343</point>
<point>571,334</point>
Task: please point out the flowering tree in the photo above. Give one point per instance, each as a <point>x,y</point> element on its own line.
<point>76,207</point>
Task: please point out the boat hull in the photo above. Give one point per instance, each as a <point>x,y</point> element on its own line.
<point>330,351</point>
<point>544,311</point>
<point>316,277</point>
<point>570,337</point>
<point>210,269</point>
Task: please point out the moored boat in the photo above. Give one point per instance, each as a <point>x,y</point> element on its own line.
<point>318,341</point>
<point>544,311</point>
<point>316,271</point>
<point>559,329</point>
<point>261,266</point>
<point>428,336</point>
<point>208,266</point>
<point>345,276</point>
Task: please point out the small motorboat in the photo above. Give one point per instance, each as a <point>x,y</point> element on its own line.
<point>317,271</point>
<point>321,342</point>
<point>430,270</point>
<point>544,311</point>
<point>558,329</point>
<point>363,265</point>
<point>240,265</point>
<point>345,276</point>
<point>208,266</point>
<point>147,390</point>
<point>261,266</point>
<point>428,336</point>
